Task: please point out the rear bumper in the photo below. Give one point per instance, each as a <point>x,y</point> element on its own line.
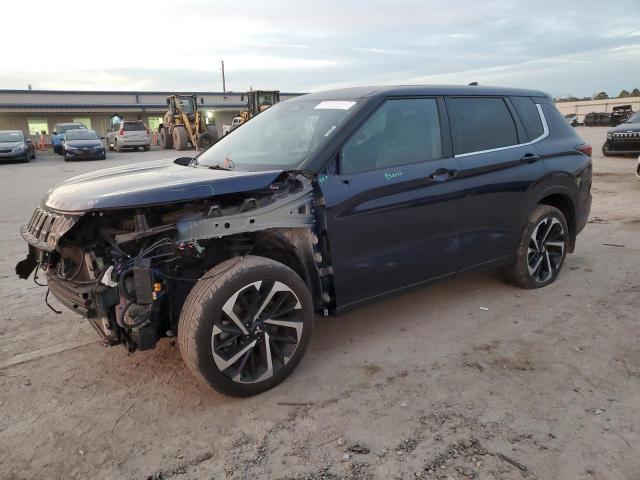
<point>134,142</point>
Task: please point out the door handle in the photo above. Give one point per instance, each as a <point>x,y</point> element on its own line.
<point>442,174</point>
<point>529,158</point>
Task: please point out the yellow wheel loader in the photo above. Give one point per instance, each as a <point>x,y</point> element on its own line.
<point>257,101</point>
<point>183,124</point>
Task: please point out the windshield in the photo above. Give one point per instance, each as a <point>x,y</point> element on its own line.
<point>10,137</point>
<point>281,137</point>
<point>66,128</point>
<point>185,104</point>
<point>635,118</point>
<point>81,135</point>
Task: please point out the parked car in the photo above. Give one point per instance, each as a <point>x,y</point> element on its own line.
<point>572,119</point>
<point>82,145</point>
<point>623,139</point>
<point>620,114</point>
<point>57,135</point>
<point>15,145</point>
<point>128,134</point>
<point>318,204</point>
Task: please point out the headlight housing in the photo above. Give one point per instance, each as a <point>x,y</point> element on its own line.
<point>19,148</point>
<point>609,136</point>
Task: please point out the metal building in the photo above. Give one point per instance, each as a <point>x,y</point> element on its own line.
<point>35,111</point>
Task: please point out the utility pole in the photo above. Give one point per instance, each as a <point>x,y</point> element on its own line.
<point>224,85</point>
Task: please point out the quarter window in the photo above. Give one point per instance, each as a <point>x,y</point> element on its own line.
<point>86,121</point>
<point>400,132</point>
<point>37,125</point>
<point>481,124</point>
<point>528,113</point>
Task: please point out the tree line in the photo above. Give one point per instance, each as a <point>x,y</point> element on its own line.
<point>600,96</point>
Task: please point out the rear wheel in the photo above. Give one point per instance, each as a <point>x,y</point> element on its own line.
<point>246,325</point>
<point>205,141</point>
<point>166,140</point>
<point>180,139</point>
<point>542,248</point>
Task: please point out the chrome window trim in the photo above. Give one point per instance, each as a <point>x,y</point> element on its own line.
<point>545,133</point>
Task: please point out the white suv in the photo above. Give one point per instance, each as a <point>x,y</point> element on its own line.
<point>128,134</point>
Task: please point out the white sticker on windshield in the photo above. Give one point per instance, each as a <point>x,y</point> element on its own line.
<point>335,105</point>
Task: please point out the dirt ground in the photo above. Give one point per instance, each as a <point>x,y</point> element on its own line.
<point>470,378</point>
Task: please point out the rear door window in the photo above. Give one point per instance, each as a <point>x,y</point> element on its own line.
<point>133,126</point>
<point>481,123</point>
<point>400,132</point>
<point>528,112</point>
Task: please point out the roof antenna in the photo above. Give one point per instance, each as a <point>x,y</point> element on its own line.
<point>475,84</point>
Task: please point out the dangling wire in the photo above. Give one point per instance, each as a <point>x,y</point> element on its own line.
<point>35,276</point>
<point>46,301</point>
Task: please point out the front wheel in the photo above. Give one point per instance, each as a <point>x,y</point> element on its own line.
<point>542,248</point>
<point>246,325</point>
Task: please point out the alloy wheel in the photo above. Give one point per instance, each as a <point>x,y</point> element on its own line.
<point>258,331</point>
<point>546,249</point>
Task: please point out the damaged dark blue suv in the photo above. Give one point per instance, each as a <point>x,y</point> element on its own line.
<point>318,204</point>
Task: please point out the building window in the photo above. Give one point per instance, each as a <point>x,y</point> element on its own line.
<point>86,121</point>
<point>154,122</point>
<point>37,125</point>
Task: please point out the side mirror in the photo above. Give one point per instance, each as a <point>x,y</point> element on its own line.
<point>54,133</point>
<point>168,101</point>
<point>184,161</point>
<point>28,140</point>
<point>101,138</point>
<point>202,100</point>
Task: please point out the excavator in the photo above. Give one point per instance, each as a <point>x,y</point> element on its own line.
<point>257,101</point>
<point>183,124</point>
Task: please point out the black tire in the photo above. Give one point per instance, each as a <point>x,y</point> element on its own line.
<point>256,285</point>
<point>180,138</point>
<point>33,154</point>
<point>205,141</point>
<point>146,148</point>
<point>539,258</point>
<point>166,140</point>
<point>27,157</point>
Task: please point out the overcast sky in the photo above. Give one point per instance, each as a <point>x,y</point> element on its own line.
<point>562,47</point>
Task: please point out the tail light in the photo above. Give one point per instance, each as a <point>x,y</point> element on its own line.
<point>585,148</point>
<point>121,132</point>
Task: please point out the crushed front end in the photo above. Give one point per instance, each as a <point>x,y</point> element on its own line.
<point>128,271</point>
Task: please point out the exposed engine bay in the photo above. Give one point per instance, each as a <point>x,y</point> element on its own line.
<point>129,270</point>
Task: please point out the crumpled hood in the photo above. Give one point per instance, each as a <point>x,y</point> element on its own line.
<point>150,183</point>
<point>625,127</point>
